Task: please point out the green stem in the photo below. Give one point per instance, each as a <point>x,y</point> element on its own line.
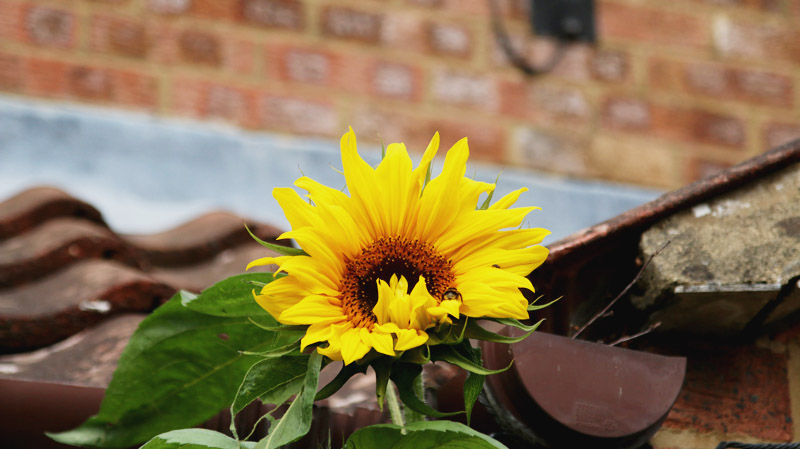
<point>394,406</point>
<point>419,392</point>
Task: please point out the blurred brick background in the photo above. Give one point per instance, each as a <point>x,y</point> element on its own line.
<point>672,92</point>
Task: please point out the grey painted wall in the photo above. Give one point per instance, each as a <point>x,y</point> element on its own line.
<point>147,174</point>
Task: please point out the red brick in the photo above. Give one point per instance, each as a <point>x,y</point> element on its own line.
<point>627,113</point>
<point>231,104</point>
<point>684,124</point>
<point>353,24</point>
<point>289,14</point>
<point>188,97</point>
<point>11,21</point>
<point>775,134</point>
<point>551,151</point>
<point>299,115</point>
<point>403,30</point>
<point>396,81</point>
<point>719,81</point>
<point>638,23</point>
<point>46,78</point>
<point>449,39</point>
<point>307,66</point>
<point>238,56</point>
<point>700,168</point>
<point>198,47</point>
<point>372,125</point>
<point>486,142</point>
<point>426,3</point>
<point>696,125</point>
<point>774,6</point>
<point>217,9</point>
<point>559,102</point>
<point>135,89</point>
<point>169,6</point>
<point>120,36</point>
<point>205,100</point>
<point>50,27</point>
<point>11,72</point>
<point>760,40</point>
<point>610,65</point>
<point>513,99</point>
<point>464,89</point>
<point>736,390</point>
<point>90,83</point>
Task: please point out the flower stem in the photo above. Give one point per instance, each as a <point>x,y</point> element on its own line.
<point>419,392</point>
<point>394,406</point>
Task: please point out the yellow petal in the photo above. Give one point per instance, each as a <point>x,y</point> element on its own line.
<point>353,348</point>
<point>380,342</point>
<point>409,338</point>
<point>508,200</point>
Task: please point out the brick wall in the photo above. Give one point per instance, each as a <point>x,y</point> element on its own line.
<point>674,90</point>
<point>736,392</point>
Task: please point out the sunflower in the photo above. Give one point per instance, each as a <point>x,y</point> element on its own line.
<point>400,255</point>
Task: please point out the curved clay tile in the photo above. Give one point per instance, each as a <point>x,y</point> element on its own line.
<point>57,243</point>
<point>201,238</point>
<point>31,207</point>
<point>227,263</point>
<point>62,304</point>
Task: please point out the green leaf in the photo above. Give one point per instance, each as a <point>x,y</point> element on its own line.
<point>515,323</point>
<point>195,439</point>
<point>421,435</point>
<point>338,382</point>
<point>274,353</point>
<point>476,332</point>
<point>532,306</point>
<point>451,355</point>
<point>232,297</point>
<point>179,369</point>
<point>272,380</point>
<point>280,249</point>
<point>473,384</point>
<point>297,420</point>
<point>403,376</point>
<point>489,196</point>
<point>383,368</point>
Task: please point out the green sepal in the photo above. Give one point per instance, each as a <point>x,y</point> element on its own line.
<point>344,375</point>
<point>383,369</point>
<point>419,355</point>
<point>404,375</point>
<point>515,323</point>
<point>474,331</point>
<point>280,249</point>
<point>488,200</point>
<point>532,306</point>
<point>451,355</point>
<point>449,334</point>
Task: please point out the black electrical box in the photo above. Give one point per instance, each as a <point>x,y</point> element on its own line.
<point>565,20</point>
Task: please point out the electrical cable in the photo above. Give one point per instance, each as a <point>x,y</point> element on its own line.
<point>516,59</point>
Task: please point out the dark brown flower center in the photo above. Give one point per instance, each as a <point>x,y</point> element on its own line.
<point>383,258</point>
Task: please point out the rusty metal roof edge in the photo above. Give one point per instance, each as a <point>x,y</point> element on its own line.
<point>679,199</point>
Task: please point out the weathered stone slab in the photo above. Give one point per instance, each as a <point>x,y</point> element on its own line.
<point>728,259</point>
